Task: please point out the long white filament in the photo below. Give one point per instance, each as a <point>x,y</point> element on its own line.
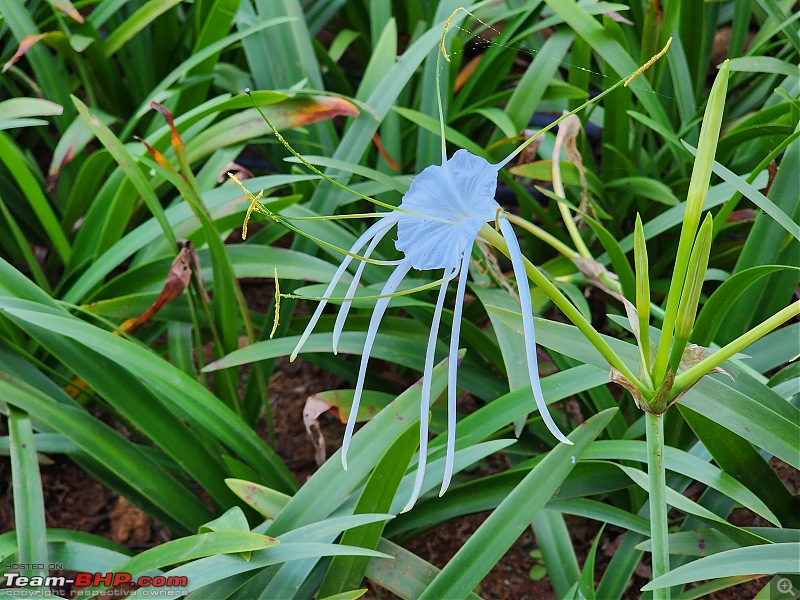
<point>351,291</point>
<point>374,230</point>
<point>425,397</point>
<point>515,254</point>
<point>380,307</point>
<point>452,371</point>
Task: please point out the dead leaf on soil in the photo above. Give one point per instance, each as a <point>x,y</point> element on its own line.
<point>314,407</point>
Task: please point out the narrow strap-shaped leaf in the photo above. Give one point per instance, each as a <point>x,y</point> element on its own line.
<point>764,560</point>
<point>129,166</point>
<point>125,458</point>
<point>493,538</point>
<point>756,197</point>
<point>14,160</point>
<point>346,573</point>
<point>28,497</point>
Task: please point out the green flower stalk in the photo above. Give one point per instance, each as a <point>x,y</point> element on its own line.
<point>642,294</point>
<point>444,211</point>
<point>657,497</point>
<point>690,298</point>
<point>695,199</point>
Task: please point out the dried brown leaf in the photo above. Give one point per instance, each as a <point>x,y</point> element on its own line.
<point>567,137</point>
<point>314,407</point>
<point>376,139</point>
<point>241,173</point>
<point>528,155</point>
<point>49,37</point>
<point>178,278</point>
<point>596,274</point>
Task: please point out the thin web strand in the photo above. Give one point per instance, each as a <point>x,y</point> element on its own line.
<point>327,178</point>
<point>591,101</point>
<point>520,47</point>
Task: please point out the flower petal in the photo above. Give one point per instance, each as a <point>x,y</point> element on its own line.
<point>345,308</point>
<point>452,373</point>
<point>458,196</point>
<point>376,228</point>
<point>527,327</point>
<point>380,307</point>
<point>425,397</point>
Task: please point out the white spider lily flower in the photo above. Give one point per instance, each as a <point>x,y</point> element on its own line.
<point>437,224</point>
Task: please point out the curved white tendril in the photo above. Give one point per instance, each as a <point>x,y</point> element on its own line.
<point>515,254</point>
<point>380,307</point>
<point>372,231</point>
<point>425,396</point>
<point>351,291</point>
<point>452,371</point>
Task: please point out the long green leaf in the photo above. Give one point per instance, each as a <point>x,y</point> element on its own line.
<point>84,551</point>
<point>744,462</point>
<point>346,573</point>
<point>219,201</point>
<point>756,197</point>
<point>143,17</point>
<point>193,547</point>
<point>28,497</point>
<point>764,560</point>
<point>247,260</point>
<point>97,439</point>
<point>129,166</point>
<point>160,92</point>
<point>558,553</point>
<point>47,67</point>
<point>213,23</point>
<point>14,160</point>
<point>121,387</point>
<point>189,398</point>
<point>406,574</point>
<point>767,245</point>
<point>686,464</point>
<point>493,538</point>
<point>715,310</point>
<point>705,542</point>
<point>206,571</point>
